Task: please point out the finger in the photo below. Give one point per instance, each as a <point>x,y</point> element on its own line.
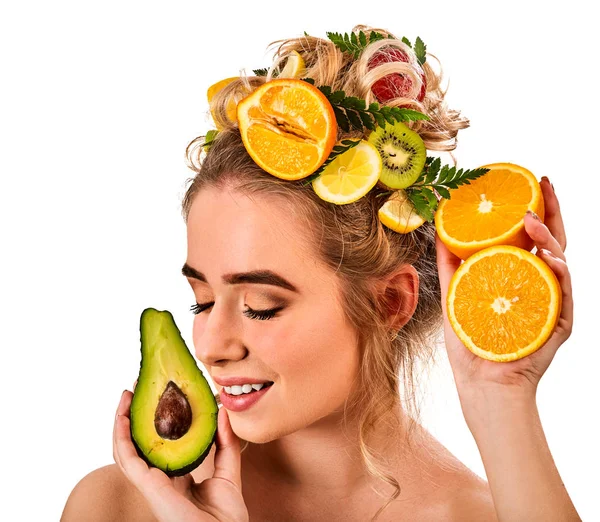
<point>552,214</point>
<point>542,236</point>
<point>560,268</point>
<point>167,497</point>
<point>120,410</point>
<point>447,264</point>
<point>134,384</point>
<point>227,457</point>
<point>131,464</point>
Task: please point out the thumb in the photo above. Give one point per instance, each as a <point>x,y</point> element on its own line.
<point>227,457</point>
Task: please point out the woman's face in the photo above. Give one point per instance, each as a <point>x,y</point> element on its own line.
<point>307,348</point>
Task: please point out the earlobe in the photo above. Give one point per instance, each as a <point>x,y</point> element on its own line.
<point>401,296</point>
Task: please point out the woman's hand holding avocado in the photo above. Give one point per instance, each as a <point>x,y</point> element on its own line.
<point>180,499</point>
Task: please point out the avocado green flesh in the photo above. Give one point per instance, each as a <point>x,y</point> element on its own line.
<point>165,357</point>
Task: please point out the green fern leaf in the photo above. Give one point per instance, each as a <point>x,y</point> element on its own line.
<point>420,50</point>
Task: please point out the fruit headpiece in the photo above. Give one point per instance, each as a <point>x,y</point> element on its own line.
<point>290,127</point>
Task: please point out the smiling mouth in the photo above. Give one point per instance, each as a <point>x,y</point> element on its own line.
<point>237,391</point>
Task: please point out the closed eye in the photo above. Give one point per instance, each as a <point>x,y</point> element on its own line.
<point>261,315</point>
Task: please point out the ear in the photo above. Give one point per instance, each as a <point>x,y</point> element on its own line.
<point>401,294</point>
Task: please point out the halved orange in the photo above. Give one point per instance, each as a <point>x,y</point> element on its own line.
<point>504,303</point>
<point>288,127</point>
<point>490,210</point>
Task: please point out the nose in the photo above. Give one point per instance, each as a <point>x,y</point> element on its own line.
<point>216,337</point>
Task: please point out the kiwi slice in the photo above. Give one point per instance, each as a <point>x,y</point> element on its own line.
<point>402,152</point>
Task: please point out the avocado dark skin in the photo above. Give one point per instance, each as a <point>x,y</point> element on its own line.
<point>177,472</point>
<point>173,411</point>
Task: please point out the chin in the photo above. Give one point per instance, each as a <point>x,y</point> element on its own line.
<point>255,432</point>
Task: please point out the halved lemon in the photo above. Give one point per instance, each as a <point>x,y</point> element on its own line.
<point>288,127</point>
<point>490,210</point>
<point>294,66</point>
<point>350,175</point>
<point>231,109</point>
<point>399,214</point>
<point>504,303</point>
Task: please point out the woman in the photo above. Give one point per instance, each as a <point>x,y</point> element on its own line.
<point>339,323</point>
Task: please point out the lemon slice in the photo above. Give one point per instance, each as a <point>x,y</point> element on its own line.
<point>294,66</point>
<point>350,175</point>
<point>231,104</point>
<point>399,214</point>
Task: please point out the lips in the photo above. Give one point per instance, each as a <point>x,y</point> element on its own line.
<point>244,401</point>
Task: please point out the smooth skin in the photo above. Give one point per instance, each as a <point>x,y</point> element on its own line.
<point>497,400</point>
<point>177,499</point>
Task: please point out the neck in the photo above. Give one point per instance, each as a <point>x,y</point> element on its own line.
<point>325,456</point>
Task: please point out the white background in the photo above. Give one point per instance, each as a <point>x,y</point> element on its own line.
<point>99,100</point>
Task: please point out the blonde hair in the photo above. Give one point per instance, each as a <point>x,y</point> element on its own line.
<point>350,239</point>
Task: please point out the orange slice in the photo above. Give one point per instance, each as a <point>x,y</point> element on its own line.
<point>490,210</point>
<point>504,303</point>
<point>288,127</point>
<point>231,110</point>
<point>399,214</point>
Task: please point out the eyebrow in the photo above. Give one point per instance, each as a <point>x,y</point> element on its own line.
<point>260,277</point>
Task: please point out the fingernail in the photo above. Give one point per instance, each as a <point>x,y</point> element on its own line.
<point>549,182</point>
<point>534,215</point>
<point>547,252</point>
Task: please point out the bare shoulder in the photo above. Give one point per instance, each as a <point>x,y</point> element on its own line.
<point>472,502</point>
<point>458,493</point>
<point>465,496</point>
<point>106,494</point>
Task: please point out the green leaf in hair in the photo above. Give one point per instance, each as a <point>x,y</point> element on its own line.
<point>420,50</point>
<point>353,43</point>
<point>441,180</point>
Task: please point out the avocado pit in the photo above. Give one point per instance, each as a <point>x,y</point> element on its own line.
<point>173,416</point>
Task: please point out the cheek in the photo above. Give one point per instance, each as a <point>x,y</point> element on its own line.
<point>196,331</point>
<point>317,365</point>
<point>313,362</point>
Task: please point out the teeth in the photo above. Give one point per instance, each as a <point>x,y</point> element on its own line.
<point>239,390</point>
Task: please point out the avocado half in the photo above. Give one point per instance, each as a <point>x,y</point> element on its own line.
<point>173,410</point>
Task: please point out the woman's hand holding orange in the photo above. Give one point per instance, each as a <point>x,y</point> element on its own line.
<point>180,499</point>
<point>474,374</point>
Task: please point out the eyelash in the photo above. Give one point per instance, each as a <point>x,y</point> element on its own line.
<point>261,315</point>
